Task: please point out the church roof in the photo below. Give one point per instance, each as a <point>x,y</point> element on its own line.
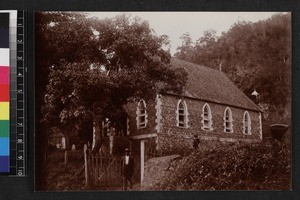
<point>213,85</point>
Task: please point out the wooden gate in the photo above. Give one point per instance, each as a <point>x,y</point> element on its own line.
<point>103,172</point>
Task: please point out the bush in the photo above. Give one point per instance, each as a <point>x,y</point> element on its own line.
<point>258,166</point>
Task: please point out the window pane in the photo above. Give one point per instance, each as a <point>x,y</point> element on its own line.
<point>142,118</point>
<point>181,106</point>
<point>206,123</point>
<point>181,118</point>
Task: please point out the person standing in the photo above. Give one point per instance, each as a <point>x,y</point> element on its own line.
<point>127,169</point>
<point>196,142</point>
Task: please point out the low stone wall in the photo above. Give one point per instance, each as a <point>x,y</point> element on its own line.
<point>175,144</point>
<point>183,144</point>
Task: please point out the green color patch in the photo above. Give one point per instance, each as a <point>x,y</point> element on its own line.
<point>4,128</point>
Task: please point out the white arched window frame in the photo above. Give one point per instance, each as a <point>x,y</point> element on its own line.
<point>206,118</point>
<point>141,114</point>
<point>182,114</point>
<point>247,123</point>
<point>228,121</point>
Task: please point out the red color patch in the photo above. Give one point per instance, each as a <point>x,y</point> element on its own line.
<point>4,75</point>
<point>4,93</point>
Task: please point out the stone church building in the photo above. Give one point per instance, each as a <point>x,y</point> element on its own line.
<point>212,108</point>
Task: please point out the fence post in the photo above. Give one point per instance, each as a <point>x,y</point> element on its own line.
<point>142,160</point>
<point>85,165</point>
<point>92,165</point>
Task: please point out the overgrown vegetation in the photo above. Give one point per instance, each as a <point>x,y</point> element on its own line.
<point>61,177</point>
<point>260,166</point>
<point>256,56</point>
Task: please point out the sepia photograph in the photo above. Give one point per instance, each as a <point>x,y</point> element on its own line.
<point>162,101</point>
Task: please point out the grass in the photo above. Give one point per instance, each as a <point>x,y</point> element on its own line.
<point>61,177</point>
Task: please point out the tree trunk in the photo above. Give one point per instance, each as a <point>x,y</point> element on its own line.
<point>97,135</point>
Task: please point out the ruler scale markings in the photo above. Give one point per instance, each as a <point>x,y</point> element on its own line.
<point>20,98</point>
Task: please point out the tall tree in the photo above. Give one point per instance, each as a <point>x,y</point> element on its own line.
<point>255,56</point>
<point>207,50</point>
<point>58,36</point>
<point>98,66</point>
<point>185,51</point>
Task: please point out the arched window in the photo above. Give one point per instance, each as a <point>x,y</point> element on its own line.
<point>141,114</point>
<point>206,118</point>
<point>228,127</point>
<point>182,114</point>
<point>247,123</point>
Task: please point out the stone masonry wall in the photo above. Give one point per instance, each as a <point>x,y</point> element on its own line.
<point>161,117</point>
<point>174,137</point>
<point>151,116</point>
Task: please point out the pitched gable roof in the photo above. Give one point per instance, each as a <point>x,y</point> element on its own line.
<point>213,85</point>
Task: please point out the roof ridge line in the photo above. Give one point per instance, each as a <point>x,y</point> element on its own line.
<point>198,65</point>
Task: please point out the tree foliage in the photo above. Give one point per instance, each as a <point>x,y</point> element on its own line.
<point>256,56</point>
<point>94,67</point>
<point>54,43</point>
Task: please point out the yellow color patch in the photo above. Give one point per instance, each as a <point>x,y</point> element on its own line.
<point>4,110</point>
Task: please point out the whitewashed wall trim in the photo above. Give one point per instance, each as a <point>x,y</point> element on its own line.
<point>158,108</point>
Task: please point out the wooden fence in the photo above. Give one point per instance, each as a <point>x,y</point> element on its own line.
<point>102,171</point>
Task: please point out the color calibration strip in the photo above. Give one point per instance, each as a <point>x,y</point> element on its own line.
<point>12,94</point>
<point>4,94</point>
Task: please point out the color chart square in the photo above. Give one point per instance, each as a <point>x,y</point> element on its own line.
<point>4,38</point>
<point>4,128</point>
<point>4,146</point>
<point>4,93</point>
<point>4,164</point>
<point>4,110</point>
<point>4,19</point>
<point>4,75</point>
<point>4,57</point>
<point>4,30</point>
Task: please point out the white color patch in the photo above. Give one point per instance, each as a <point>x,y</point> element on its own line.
<point>4,57</point>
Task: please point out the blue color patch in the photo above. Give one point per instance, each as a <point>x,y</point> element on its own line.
<point>4,146</point>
